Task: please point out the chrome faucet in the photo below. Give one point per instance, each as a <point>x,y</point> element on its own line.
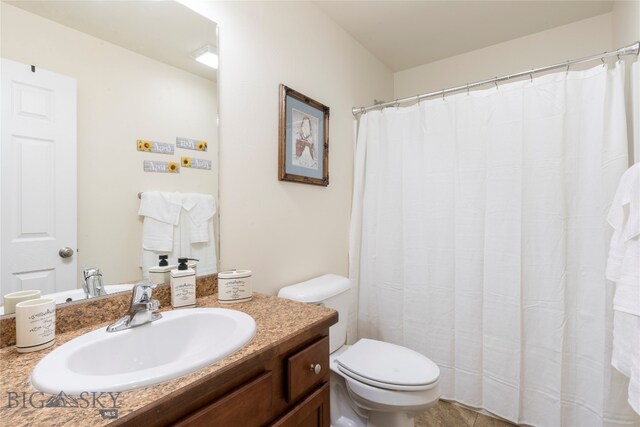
<point>143,309</point>
<point>92,283</point>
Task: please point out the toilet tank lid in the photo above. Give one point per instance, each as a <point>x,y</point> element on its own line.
<point>316,290</point>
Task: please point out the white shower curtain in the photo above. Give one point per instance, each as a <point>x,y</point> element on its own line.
<point>479,239</point>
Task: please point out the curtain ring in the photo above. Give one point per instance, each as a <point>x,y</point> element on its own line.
<point>418,96</point>
<point>397,104</point>
<point>531,76</point>
<point>495,81</point>
<point>568,63</point>
<point>602,59</point>
<point>467,89</point>
<point>443,94</point>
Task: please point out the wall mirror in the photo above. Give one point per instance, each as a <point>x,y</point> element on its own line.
<point>115,73</point>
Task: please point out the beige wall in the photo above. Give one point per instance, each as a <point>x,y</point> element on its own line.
<point>575,40</point>
<point>122,96</point>
<point>626,22</point>
<point>285,232</point>
<point>606,32</point>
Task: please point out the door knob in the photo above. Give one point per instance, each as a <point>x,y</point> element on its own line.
<point>65,252</point>
<point>315,368</point>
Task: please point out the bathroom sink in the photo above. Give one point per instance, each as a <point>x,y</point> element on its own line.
<point>182,341</point>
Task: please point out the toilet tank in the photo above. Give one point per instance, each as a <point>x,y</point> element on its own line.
<point>330,291</point>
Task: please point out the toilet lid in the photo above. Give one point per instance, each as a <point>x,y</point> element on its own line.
<point>388,366</point>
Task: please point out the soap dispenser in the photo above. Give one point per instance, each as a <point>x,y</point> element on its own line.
<point>183,285</point>
<point>160,274</point>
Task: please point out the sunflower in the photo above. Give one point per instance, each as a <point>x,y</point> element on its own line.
<point>173,167</point>
<point>186,162</point>
<point>202,146</point>
<point>144,145</point>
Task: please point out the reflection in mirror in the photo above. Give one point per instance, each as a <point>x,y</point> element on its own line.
<point>88,89</point>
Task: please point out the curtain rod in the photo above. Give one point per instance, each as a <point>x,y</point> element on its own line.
<point>633,49</point>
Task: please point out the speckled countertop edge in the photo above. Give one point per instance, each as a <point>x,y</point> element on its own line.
<point>277,320</point>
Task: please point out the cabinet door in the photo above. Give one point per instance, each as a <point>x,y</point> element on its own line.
<point>311,412</point>
<point>247,406</point>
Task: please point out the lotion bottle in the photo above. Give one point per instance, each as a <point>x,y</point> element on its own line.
<point>183,285</point>
<point>160,274</point>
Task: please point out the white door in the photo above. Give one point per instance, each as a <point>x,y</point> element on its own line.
<point>38,180</point>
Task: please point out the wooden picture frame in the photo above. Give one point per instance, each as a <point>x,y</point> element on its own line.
<point>303,153</point>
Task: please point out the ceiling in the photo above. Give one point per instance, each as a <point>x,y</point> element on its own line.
<point>163,30</point>
<point>405,34</point>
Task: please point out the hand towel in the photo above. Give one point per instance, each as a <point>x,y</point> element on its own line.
<point>623,264</point>
<point>161,213</point>
<point>623,268</point>
<point>200,209</point>
<point>205,252</point>
<point>626,341</point>
<point>150,257</point>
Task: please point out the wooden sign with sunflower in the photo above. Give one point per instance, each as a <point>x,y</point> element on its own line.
<point>191,144</point>
<point>154,147</point>
<point>193,163</point>
<point>157,166</point>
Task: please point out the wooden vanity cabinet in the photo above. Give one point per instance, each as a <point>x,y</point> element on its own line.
<point>286,386</point>
<point>293,392</point>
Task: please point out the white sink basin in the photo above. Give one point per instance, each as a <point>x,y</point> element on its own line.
<point>183,341</point>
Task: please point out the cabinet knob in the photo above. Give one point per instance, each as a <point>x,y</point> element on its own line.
<point>315,368</point>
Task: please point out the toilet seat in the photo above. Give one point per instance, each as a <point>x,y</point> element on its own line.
<point>388,366</point>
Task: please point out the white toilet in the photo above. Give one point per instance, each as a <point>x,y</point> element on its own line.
<point>373,383</point>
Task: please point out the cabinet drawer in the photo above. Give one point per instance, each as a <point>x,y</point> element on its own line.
<point>307,368</point>
<point>311,412</point>
<point>248,405</point>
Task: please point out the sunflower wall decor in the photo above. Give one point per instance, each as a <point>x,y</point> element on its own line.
<point>154,146</point>
<point>193,163</point>
<point>158,166</point>
<point>191,144</point>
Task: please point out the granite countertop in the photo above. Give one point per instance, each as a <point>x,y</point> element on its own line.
<point>276,319</point>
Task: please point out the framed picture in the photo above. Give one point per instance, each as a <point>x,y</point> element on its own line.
<point>303,154</point>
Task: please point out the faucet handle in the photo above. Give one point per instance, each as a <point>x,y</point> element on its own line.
<point>142,291</point>
<point>153,305</point>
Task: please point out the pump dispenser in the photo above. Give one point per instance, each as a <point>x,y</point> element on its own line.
<point>160,274</point>
<point>183,285</point>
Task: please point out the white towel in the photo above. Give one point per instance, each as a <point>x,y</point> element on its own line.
<point>178,225</point>
<point>626,341</point>
<point>161,213</point>
<point>634,383</point>
<point>204,252</point>
<point>150,258</point>
<point>623,268</point>
<point>200,209</point>
<point>623,265</point>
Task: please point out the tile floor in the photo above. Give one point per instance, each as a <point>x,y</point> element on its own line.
<point>445,414</point>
